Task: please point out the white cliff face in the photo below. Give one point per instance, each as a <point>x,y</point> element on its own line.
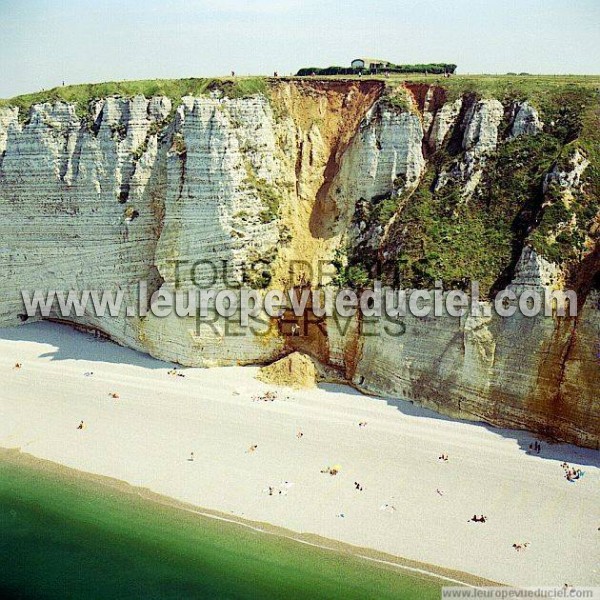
<point>8,118</point>
<point>64,186</point>
<point>568,178</point>
<point>535,272</point>
<point>481,130</point>
<point>481,124</point>
<point>212,223</point>
<point>385,156</point>
<point>526,120</point>
<point>388,146</point>
<point>107,205</point>
<point>211,208</point>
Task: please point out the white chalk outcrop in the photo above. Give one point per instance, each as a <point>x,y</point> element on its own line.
<point>481,123</point>
<point>525,120</point>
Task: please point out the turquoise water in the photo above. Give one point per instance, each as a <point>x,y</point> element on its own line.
<point>67,537</point>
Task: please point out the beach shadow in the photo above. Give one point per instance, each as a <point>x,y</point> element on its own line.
<point>71,344</point>
<point>550,449</point>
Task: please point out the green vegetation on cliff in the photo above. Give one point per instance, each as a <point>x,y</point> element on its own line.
<point>436,233</point>
<point>442,236</point>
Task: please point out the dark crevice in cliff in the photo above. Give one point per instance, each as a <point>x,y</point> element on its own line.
<point>454,146</point>
<point>428,98</point>
<point>77,155</point>
<point>124,193</point>
<point>586,276</point>
<point>96,331</point>
<point>298,165</point>
<point>526,220</point>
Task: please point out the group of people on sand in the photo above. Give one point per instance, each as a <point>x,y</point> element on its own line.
<point>443,457</point>
<point>572,473</point>
<point>175,373</point>
<point>269,396</point>
<point>519,547</point>
<point>330,470</point>
<point>476,519</point>
<point>535,446</point>
<point>358,486</point>
<point>281,490</point>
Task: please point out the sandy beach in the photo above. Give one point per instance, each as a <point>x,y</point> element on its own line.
<point>261,458</point>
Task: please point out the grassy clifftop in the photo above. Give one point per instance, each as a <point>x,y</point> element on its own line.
<point>496,86</point>
<point>174,89</point>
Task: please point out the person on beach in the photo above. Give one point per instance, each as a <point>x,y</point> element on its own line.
<point>191,458</point>
<point>18,365</point>
<point>81,425</point>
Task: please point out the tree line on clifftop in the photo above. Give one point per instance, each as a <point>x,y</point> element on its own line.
<point>433,68</point>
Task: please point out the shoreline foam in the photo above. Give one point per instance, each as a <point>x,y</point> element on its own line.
<point>23,460</point>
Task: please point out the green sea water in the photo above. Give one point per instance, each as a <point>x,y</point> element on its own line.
<point>68,537</point>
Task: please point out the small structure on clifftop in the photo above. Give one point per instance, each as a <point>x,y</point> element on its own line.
<point>370,64</point>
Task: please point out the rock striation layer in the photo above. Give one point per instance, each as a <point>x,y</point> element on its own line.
<point>145,189</point>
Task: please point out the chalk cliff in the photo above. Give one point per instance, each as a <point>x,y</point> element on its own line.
<point>354,179</point>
